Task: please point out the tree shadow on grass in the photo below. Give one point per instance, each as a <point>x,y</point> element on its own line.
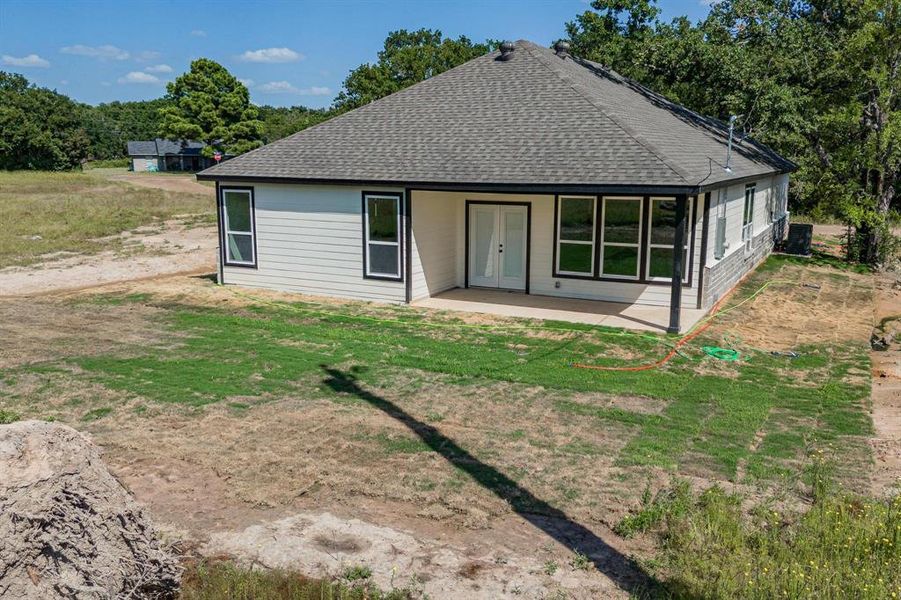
<point>554,522</point>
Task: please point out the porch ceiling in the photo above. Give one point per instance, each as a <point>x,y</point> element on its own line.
<point>593,312</point>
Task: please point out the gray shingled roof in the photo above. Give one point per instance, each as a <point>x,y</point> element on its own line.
<point>536,119</point>
<point>161,147</point>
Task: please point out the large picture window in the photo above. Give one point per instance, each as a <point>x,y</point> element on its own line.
<point>575,235</point>
<point>238,225</point>
<point>620,237</point>
<point>662,236</point>
<point>382,232</point>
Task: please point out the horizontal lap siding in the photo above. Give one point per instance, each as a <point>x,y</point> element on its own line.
<point>309,240</point>
<point>721,275</point>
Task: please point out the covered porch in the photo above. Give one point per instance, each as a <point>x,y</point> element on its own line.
<point>507,303</point>
<point>601,259</point>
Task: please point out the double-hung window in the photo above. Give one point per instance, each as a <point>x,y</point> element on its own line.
<point>620,237</point>
<point>382,234</point>
<point>747,221</point>
<point>662,236</point>
<point>238,224</point>
<point>575,235</point>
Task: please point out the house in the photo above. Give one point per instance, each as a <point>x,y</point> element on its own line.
<point>168,155</point>
<point>526,169</point>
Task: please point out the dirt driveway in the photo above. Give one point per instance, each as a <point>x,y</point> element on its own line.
<point>185,245</point>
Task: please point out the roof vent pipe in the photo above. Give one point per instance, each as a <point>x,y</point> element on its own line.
<point>561,48</point>
<point>728,167</point>
<point>506,51</point>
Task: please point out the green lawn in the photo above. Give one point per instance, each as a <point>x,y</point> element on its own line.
<point>760,414</point>
<point>46,212</point>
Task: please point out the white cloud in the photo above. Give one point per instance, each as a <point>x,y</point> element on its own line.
<point>105,52</point>
<point>139,77</point>
<point>32,60</point>
<point>64,82</point>
<point>284,87</point>
<point>158,69</point>
<point>271,55</point>
<point>246,82</point>
<point>198,33</point>
<point>147,55</point>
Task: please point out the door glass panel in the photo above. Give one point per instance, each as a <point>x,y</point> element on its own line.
<point>485,251</point>
<point>622,221</point>
<point>620,260</point>
<point>514,236</point>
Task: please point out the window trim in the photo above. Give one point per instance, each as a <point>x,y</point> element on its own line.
<point>223,227</point>
<point>590,274</point>
<point>398,197</point>
<point>747,217</point>
<point>689,241</point>
<point>637,245</point>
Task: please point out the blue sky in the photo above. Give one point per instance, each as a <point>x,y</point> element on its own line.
<point>287,52</point>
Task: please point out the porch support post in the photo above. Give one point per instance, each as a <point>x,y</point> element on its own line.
<point>675,303</point>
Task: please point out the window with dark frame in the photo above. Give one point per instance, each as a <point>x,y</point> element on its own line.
<point>747,222</point>
<point>575,235</point>
<point>382,230</point>
<point>238,225</point>
<point>621,222</point>
<point>662,235</point>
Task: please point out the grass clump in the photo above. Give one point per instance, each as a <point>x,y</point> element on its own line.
<point>843,546</point>
<point>215,580</point>
<point>669,502</point>
<point>7,417</point>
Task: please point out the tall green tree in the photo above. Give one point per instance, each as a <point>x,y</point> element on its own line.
<point>408,57</point>
<point>39,129</point>
<point>280,121</point>
<point>815,79</point>
<point>209,104</point>
<point>111,125</point>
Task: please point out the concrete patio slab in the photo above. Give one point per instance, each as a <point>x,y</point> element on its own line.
<point>593,312</point>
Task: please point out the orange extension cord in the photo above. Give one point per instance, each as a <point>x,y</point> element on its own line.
<point>688,336</point>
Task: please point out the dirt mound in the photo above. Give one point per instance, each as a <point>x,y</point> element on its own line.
<point>68,527</point>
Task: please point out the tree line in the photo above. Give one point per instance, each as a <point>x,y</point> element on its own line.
<point>817,80</point>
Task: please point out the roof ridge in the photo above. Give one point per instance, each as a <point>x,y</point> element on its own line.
<point>639,139</point>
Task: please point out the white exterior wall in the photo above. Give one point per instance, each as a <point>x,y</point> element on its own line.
<point>733,196</point>
<point>139,163</point>
<point>309,239</point>
<point>433,248</point>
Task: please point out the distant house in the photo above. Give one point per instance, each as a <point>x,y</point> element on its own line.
<point>168,155</point>
<point>527,170</point>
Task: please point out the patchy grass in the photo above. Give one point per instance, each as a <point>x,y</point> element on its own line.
<point>45,212</point>
<point>216,580</point>
<point>752,425</point>
<point>843,546</point>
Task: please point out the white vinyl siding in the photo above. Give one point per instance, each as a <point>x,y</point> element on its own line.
<point>310,240</point>
<point>730,202</point>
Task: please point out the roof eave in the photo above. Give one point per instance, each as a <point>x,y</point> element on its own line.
<point>497,187</point>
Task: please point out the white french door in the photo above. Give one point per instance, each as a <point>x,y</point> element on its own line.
<point>497,245</point>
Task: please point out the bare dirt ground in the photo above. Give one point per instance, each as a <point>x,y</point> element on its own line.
<point>886,398</point>
<point>180,245</point>
<point>288,483</point>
